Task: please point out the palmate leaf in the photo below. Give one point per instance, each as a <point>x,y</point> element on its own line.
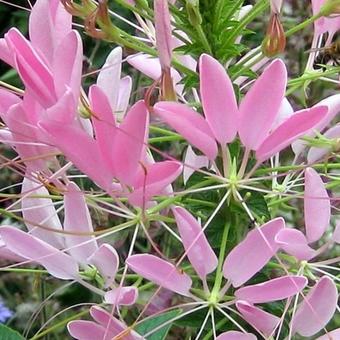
<point>7,333</point>
<point>151,323</point>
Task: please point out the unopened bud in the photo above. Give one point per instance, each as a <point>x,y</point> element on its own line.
<point>193,10</point>
<point>275,39</point>
<point>82,9</point>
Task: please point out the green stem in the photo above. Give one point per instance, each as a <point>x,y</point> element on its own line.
<point>203,39</point>
<point>219,274</point>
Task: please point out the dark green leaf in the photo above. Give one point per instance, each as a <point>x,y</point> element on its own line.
<point>7,333</point>
<point>150,324</point>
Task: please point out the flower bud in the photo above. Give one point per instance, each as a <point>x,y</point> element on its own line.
<point>194,15</point>
<point>275,39</point>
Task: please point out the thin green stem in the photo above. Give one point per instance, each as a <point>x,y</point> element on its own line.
<point>219,274</point>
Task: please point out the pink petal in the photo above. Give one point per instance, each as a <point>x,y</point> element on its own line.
<point>109,77</point>
<point>67,65</point>
<point>64,110</point>
<point>48,24</point>
<point>218,99</point>
<point>258,318</point>
<point>261,105</point>
<point>198,249</point>
<point>192,163</point>
<point>252,254</point>
<point>124,296</point>
<point>272,290</point>
<point>160,272</point>
<point>131,134</point>
<point>38,211</point>
<point>88,330</point>
<point>78,220</point>
<point>104,124</point>
<point>125,87</point>
<point>6,54</point>
<point>150,66</point>
<point>84,154</point>
<point>33,71</point>
<point>333,335</point>
<point>317,309</point>
<point>317,207</point>
<point>316,153</point>
<point>294,242</point>
<point>163,32</point>
<point>295,126</point>
<point>234,335</point>
<point>115,326</point>
<point>7,99</point>
<point>180,117</point>
<point>284,113</point>
<point>158,177</point>
<point>106,260</point>
<point>57,263</point>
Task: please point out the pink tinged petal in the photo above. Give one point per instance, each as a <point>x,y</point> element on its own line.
<point>147,65</point>
<point>40,212</point>
<point>163,32</point>
<point>125,87</point>
<point>284,113</point>
<point>336,234</point>
<point>234,335</point>
<point>272,290</point>
<point>276,5</point>
<point>48,24</point>
<point>104,124</point>
<point>333,104</point>
<point>180,117</point>
<point>316,153</point>
<point>317,309</point>
<point>199,252</point>
<point>258,318</point>
<point>67,65</point>
<point>115,326</point>
<point>78,220</point>
<point>151,67</point>
<point>84,154</point>
<point>333,335</point>
<point>192,163</point>
<point>57,263</point>
<point>252,254</point>
<point>294,242</point>
<point>158,177</point>
<point>294,127</point>
<point>109,77</point>
<point>131,134</point>
<point>160,272</point>
<point>106,260</point>
<point>7,254</point>
<point>317,208</point>
<point>261,105</point>
<point>88,330</point>
<point>32,69</point>
<point>124,296</point>
<point>218,99</point>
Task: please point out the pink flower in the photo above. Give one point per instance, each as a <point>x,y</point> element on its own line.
<point>253,120</point>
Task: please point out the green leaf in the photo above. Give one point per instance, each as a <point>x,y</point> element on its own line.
<point>151,323</point>
<point>7,333</point>
<point>257,204</point>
